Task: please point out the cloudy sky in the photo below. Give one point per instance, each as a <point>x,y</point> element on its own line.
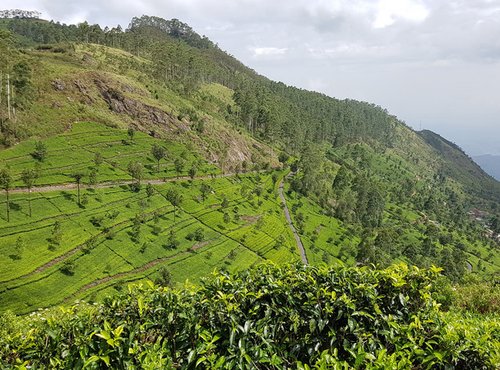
<point>433,63</point>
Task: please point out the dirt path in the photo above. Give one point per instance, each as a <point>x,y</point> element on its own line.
<point>110,184</point>
<point>300,246</point>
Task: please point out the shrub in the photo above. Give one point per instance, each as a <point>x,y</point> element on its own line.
<point>263,318</point>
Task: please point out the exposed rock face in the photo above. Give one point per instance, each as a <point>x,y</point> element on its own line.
<point>219,144</point>
<point>58,85</point>
<point>82,88</point>
<point>142,113</point>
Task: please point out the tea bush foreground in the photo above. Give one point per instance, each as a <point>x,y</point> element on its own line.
<point>265,317</point>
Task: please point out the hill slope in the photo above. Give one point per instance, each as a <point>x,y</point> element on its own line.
<point>363,187</point>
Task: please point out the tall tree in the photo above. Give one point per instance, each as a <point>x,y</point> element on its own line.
<point>29,177</point>
<point>78,176</point>
<point>192,172</point>
<point>205,189</point>
<point>136,171</point>
<point>5,183</point>
<point>179,166</point>
<point>131,134</point>
<point>174,198</point>
<point>159,153</point>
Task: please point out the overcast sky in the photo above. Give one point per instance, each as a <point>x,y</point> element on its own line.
<point>433,63</point>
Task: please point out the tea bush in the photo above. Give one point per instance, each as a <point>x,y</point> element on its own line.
<point>266,317</point>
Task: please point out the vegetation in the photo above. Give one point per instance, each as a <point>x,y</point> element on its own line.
<point>216,144</point>
<point>266,317</point>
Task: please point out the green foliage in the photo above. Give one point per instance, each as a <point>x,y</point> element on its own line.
<point>20,247</point>
<point>192,172</point>
<point>266,317</point>
<point>22,83</point>
<point>477,296</point>
<point>158,153</point>
<point>136,171</point>
<point>366,186</point>
<point>40,152</point>
<point>5,184</point>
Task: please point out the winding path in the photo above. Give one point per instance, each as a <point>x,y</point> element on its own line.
<point>300,246</point>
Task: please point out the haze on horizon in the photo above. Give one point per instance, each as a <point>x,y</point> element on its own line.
<point>434,64</point>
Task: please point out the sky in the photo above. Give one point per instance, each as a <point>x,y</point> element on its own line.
<point>433,63</point>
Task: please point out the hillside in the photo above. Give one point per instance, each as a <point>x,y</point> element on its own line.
<point>458,165</point>
<point>151,154</point>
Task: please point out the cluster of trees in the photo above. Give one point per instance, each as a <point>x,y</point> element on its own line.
<point>16,88</point>
<point>28,177</point>
<point>183,59</point>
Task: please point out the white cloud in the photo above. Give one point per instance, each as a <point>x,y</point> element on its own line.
<point>389,11</point>
<point>268,51</point>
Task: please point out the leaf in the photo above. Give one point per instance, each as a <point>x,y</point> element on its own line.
<point>140,303</point>
<point>91,360</point>
<point>105,359</point>
<point>220,362</point>
<point>201,360</point>
<point>191,356</point>
<point>118,331</point>
<point>402,299</point>
<point>350,323</point>
<point>312,325</point>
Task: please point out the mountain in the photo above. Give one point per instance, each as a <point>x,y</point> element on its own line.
<point>151,154</point>
<point>490,163</point>
<point>458,165</point>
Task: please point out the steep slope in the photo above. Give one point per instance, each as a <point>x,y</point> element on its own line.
<point>455,163</point>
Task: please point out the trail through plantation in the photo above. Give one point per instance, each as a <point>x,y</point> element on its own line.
<point>300,246</point>
<point>110,184</point>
